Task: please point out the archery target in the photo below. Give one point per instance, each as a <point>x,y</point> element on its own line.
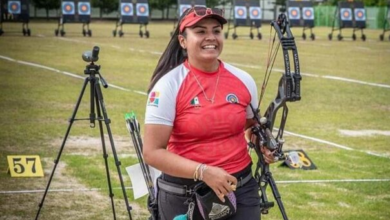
<point>142,9</point>
<point>360,14</point>
<point>84,8</point>
<point>183,8</point>
<point>294,13</point>
<point>308,13</point>
<point>346,14</point>
<point>240,12</point>
<point>127,9</point>
<point>14,7</point>
<point>255,13</point>
<point>68,8</point>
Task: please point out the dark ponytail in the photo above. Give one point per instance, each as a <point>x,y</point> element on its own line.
<point>173,56</point>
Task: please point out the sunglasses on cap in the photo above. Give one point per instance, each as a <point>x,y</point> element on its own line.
<point>201,11</point>
<point>193,15</point>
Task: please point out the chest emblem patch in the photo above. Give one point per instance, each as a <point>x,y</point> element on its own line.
<point>195,102</point>
<point>232,98</point>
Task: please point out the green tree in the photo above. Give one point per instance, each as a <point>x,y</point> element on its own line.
<point>213,3</point>
<point>366,2</point>
<point>162,5</point>
<point>280,2</point>
<point>105,6</point>
<point>47,5</point>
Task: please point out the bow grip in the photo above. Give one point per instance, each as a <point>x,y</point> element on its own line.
<point>272,144</point>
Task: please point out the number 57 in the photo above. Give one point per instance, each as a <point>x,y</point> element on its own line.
<point>25,166</point>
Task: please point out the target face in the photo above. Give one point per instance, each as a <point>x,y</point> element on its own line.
<point>84,8</point>
<point>240,12</point>
<point>14,7</point>
<point>308,13</point>
<point>127,9</point>
<point>68,8</point>
<point>255,13</point>
<point>360,14</point>
<point>183,8</point>
<point>294,13</point>
<point>142,9</point>
<point>346,14</point>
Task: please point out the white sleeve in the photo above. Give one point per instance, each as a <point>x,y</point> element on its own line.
<point>161,103</point>
<point>254,99</point>
<point>250,84</point>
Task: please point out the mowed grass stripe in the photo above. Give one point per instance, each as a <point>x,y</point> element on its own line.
<point>143,93</point>
<point>36,104</point>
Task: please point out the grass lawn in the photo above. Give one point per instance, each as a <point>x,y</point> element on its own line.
<point>345,90</point>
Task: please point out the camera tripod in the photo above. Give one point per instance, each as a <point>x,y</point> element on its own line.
<point>96,97</point>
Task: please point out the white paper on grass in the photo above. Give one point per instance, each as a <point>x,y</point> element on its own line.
<point>138,181</point>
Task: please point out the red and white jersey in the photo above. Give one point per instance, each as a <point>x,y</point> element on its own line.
<point>206,132</point>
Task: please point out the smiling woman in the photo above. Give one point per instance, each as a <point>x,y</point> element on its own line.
<point>197,111</point>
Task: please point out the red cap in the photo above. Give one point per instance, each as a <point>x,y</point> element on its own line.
<point>191,19</point>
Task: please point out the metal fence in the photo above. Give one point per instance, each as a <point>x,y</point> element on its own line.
<point>375,16</point>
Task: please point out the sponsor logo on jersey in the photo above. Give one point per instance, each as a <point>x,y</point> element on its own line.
<point>232,98</point>
<point>195,102</point>
<point>154,99</point>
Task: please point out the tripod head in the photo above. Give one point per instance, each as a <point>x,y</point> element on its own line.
<point>92,69</point>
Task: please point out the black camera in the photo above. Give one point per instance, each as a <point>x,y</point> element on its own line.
<point>91,56</point>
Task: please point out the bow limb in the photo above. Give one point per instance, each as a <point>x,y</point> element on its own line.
<point>289,84</point>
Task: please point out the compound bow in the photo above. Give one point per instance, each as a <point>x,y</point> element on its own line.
<point>288,91</point>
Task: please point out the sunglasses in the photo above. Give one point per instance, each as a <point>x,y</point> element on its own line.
<point>200,11</point>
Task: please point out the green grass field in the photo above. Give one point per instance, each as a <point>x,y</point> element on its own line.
<point>37,98</point>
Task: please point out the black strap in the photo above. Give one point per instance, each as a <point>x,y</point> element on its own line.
<point>243,181</point>
<point>180,190</point>
<point>183,190</point>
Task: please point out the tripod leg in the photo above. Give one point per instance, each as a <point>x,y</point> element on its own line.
<point>102,109</point>
<point>92,116</point>
<point>71,120</point>
<point>105,156</point>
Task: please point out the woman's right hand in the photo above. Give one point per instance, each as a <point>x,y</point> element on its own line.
<point>221,182</point>
<point>268,155</point>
